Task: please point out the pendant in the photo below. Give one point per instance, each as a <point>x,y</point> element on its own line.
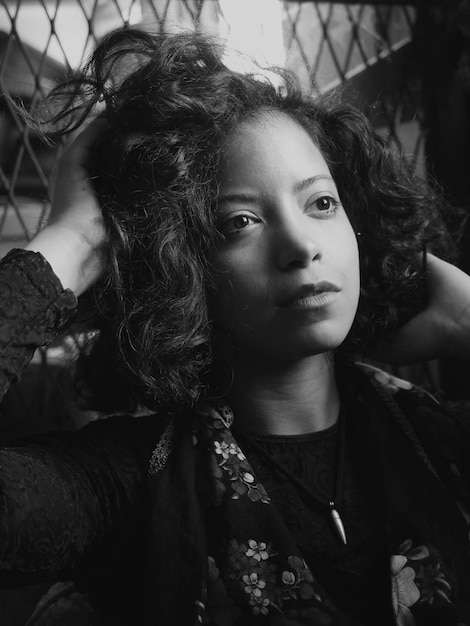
<point>338,522</point>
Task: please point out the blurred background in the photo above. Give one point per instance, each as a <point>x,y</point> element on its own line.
<point>405,64</point>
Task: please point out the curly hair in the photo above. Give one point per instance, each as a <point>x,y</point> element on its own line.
<point>170,103</point>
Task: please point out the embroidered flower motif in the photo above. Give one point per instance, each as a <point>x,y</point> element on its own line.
<point>221,447</point>
<point>250,570</point>
<point>212,432</point>
<point>220,416</point>
<point>430,578</point>
<point>297,582</point>
<point>433,584</point>
<point>260,605</point>
<point>257,550</point>
<point>253,556</point>
<point>226,450</point>
<point>253,572</point>
<point>234,450</point>
<point>405,593</point>
<point>253,584</point>
<point>288,578</point>
<point>242,479</point>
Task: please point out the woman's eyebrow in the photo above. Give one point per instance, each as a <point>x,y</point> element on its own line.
<point>308,182</point>
<point>252,198</point>
<point>247,198</point>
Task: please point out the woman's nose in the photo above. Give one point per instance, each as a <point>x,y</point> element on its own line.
<point>296,241</point>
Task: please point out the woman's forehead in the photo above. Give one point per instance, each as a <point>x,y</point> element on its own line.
<point>269,142</point>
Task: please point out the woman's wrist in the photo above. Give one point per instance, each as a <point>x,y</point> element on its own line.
<point>75,260</point>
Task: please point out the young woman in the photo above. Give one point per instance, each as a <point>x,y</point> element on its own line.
<point>243,244</point>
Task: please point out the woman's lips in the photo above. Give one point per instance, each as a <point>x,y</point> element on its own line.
<point>314,295</point>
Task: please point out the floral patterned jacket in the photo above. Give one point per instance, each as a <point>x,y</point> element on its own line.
<point>122,506</point>
<point>264,575</point>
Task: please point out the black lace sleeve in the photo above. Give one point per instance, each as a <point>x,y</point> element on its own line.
<point>34,308</point>
<point>75,504</point>
<point>71,504</point>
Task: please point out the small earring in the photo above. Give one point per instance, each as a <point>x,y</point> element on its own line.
<point>358,233</point>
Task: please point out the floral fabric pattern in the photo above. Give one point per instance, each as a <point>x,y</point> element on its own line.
<point>253,568</point>
<point>405,593</point>
<point>255,578</point>
<point>229,457</point>
<point>417,578</point>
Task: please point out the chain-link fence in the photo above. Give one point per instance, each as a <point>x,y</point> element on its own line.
<point>366,49</point>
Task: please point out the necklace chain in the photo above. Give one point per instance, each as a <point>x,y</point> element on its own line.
<point>330,505</point>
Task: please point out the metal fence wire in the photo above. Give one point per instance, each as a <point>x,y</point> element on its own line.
<point>364,49</point>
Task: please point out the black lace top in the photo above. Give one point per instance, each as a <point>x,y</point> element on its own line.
<point>355,574</point>
<point>72,504</point>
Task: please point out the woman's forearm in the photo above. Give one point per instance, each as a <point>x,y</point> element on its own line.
<point>74,238</point>
<point>75,262</point>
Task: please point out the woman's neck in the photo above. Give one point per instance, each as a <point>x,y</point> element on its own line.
<point>285,398</point>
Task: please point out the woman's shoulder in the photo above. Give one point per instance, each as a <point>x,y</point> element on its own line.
<point>115,440</point>
<point>442,426</point>
<point>393,384</point>
<point>144,429</point>
<point>412,397</point>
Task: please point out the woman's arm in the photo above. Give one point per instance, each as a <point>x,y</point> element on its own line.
<point>36,301</point>
<point>70,503</point>
<point>34,308</point>
<point>74,237</point>
<point>74,504</point>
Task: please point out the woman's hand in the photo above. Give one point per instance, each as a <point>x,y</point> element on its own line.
<point>74,237</point>
<point>442,329</point>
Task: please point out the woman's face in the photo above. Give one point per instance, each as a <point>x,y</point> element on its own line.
<point>287,271</point>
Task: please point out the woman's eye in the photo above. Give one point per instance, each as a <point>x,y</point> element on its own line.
<point>233,225</point>
<point>324,204</point>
